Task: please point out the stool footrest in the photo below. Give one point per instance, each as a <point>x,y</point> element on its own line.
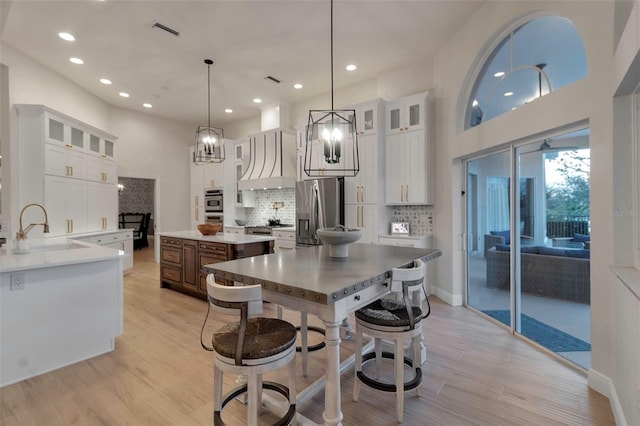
<point>282,390</point>
<point>387,387</point>
<point>315,347</point>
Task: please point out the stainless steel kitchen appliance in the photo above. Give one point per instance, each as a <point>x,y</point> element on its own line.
<point>319,204</point>
<point>213,201</point>
<point>266,229</point>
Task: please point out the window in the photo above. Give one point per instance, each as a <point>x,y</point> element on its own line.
<point>533,60</point>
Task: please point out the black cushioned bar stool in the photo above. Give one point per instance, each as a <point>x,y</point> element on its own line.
<point>252,346</point>
<point>393,320</point>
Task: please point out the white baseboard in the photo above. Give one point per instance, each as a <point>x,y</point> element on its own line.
<point>603,385</point>
<point>451,299</point>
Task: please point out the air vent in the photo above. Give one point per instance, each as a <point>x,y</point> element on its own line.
<point>165,28</point>
<point>275,80</point>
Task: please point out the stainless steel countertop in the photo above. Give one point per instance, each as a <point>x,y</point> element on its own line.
<point>309,273</point>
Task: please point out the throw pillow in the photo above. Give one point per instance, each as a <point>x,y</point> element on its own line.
<point>504,234</point>
<point>581,238</point>
<point>580,254</point>
<point>551,251</point>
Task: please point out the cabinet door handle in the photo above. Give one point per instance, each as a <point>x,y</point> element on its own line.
<point>362,194</point>
<point>196,216</point>
<point>71,225</point>
<point>195,200</point>
<point>401,192</point>
<point>407,194</point>
<point>71,168</point>
<point>69,145</point>
<point>68,226</point>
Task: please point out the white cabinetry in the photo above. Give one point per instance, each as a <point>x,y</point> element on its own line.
<point>76,185</point>
<point>408,155</point>
<point>286,240</point>
<point>363,192</point>
<point>418,241</point>
<point>213,175</point>
<point>196,199</point>
<point>233,229</point>
<point>243,198</point>
<point>120,240</point>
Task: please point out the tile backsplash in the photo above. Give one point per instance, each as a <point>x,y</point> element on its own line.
<point>420,218</point>
<point>263,211</point>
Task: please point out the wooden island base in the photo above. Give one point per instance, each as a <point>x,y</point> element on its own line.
<point>184,254</point>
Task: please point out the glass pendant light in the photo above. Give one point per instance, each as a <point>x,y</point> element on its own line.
<point>331,147</point>
<point>209,140</point>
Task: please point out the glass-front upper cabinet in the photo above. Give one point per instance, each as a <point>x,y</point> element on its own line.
<point>101,146</point>
<point>367,117</point>
<point>406,114</point>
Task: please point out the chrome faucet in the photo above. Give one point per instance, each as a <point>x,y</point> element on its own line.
<point>22,233</point>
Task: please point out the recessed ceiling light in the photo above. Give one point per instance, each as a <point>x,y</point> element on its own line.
<point>105,81</point>
<point>513,108</point>
<point>228,110</point>
<point>474,103</point>
<point>499,74</point>
<point>508,93</point>
<point>66,36</point>
<point>77,61</point>
<point>297,86</point>
<point>124,94</point>
<point>257,100</point>
<point>351,67</point>
<point>147,105</point>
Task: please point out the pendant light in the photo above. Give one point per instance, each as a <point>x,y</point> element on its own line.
<point>209,140</point>
<point>331,147</point>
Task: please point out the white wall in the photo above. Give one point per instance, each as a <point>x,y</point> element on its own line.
<point>152,147</point>
<point>586,101</point>
<point>147,146</point>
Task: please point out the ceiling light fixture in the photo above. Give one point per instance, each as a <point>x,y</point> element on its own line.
<point>297,86</point>
<point>332,132</point>
<point>76,61</point>
<point>124,94</point>
<point>105,81</point>
<point>499,74</point>
<point>351,67</point>
<point>66,36</point>
<point>508,93</point>
<point>257,100</point>
<point>147,105</point>
<point>209,140</point>
<point>228,110</point>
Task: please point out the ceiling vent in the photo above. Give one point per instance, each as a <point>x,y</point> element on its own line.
<point>165,28</point>
<point>275,80</point>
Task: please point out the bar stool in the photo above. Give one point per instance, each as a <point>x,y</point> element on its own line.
<point>252,346</point>
<point>393,320</point>
<point>304,329</point>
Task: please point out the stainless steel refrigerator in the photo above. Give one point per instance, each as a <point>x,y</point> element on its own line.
<point>319,204</point>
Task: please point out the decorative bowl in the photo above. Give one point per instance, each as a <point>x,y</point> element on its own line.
<point>241,222</point>
<point>338,239</point>
<point>209,228</point>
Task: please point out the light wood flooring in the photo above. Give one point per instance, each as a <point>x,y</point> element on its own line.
<point>476,374</point>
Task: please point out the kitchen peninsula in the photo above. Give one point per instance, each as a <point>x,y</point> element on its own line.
<point>59,304</point>
<point>183,255</point>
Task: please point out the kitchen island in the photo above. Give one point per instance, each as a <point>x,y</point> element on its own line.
<point>308,279</point>
<point>183,255</point>
<point>59,304</point>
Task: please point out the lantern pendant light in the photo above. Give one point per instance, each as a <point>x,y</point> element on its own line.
<point>331,147</point>
<point>209,140</point>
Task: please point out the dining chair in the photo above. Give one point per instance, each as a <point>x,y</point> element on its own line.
<point>251,347</point>
<point>396,320</point>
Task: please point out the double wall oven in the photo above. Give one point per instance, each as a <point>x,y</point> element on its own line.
<point>214,206</point>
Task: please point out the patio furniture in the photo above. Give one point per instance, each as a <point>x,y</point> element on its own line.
<point>494,238</point>
<point>545,271</point>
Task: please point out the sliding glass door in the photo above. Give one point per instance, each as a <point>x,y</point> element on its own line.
<point>529,243</point>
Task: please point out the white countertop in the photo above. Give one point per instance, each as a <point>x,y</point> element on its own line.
<point>219,237</point>
<point>49,252</point>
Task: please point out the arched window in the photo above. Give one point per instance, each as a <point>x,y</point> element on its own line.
<point>535,59</point>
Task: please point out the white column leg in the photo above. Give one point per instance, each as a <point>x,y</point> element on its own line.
<point>358,363</point>
<point>304,345</point>
<point>378,360</point>
<point>332,415</point>
<point>292,386</point>
<point>252,406</point>
<point>399,362</point>
<point>417,298</point>
<point>217,388</point>
<point>416,356</point>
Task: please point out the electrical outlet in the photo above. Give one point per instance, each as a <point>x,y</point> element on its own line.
<point>17,281</point>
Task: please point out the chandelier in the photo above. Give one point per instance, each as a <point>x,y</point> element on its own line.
<point>209,140</point>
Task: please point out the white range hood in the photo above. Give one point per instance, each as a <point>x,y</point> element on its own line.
<point>272,153</point>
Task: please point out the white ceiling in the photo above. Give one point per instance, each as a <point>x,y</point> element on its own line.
<point>247,40</point>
